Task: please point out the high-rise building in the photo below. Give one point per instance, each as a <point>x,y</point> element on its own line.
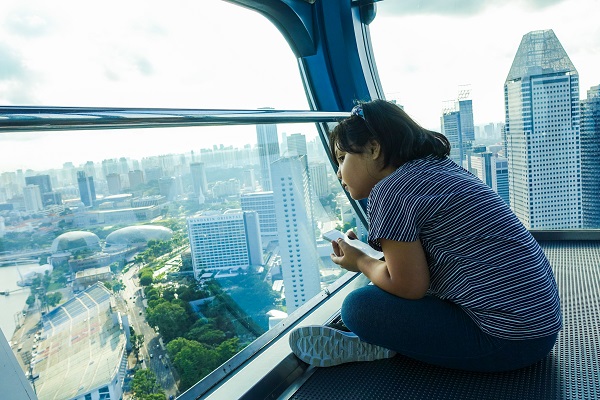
<point>90,169</point>
<point>492,170</point>
<point>458,126</point>
<point>541,97</point>
<point>263,203</point>
<point>33,198</point>
<point>296,230</point>
<point>110,166</point>
<point>296,145</point>
<point>590,158</point>
<point>87,190</point>
<point>224,243</point>
<point>450,122</point>
<point>318,179</point>
<point>167,187</point>
<point>248,180</point>
<point>199,182</point>
<point>114,183</point>
<point>123,165</point>
<point>136,178</point>
<point>43,181</point>
<point>268,151</point>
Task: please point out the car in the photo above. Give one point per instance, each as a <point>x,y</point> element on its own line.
<point>160,356</point>
<point>151,355</point>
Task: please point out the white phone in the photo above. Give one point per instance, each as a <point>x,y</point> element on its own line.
<point>334,235</point>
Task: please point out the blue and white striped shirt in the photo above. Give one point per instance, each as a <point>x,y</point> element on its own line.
<point>480,256</point>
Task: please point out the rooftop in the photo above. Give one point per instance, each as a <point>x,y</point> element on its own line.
<point>81,347</point>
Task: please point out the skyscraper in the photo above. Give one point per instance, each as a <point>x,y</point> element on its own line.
<point>590,158</point>
<point>136,178</point>
<point>199,179</point>
<point>114,183</point>
<point>458,126</point>
<point>33,198</point>
<point>87,190</point>
<point>296,145</point>
<point>224,243</point>
<point>296,231</point>
<point>264,205</point>
<point>541,97</point>
<point>492,170</point>
<point>43,181</point>
<point>268,151</point>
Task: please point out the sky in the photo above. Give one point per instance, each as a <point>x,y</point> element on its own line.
<point>213,54</point>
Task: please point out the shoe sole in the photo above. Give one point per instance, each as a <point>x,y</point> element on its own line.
<point>322,346</point>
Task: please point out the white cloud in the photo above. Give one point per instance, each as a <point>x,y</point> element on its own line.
<point>213,54</point>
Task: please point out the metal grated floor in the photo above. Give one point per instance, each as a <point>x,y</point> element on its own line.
<point>571,371</point>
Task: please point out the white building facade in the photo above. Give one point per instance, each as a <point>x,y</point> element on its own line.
<point>224,243</point>
<point>297,243</point>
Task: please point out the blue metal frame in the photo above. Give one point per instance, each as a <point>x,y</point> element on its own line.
<point>332,42</point>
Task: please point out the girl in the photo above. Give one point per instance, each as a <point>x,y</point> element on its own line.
<point>462,284</point>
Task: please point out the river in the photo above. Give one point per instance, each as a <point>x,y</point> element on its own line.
<point>14,303</point>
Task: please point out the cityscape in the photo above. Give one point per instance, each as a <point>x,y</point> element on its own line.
<point>181,260</point>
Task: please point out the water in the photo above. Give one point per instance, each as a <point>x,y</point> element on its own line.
<point>13,304</point>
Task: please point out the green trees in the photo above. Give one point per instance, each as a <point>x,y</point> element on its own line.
<point>145,387</point>
<point>146,277</point>
<point>137,342</point>
<point>171,319</point>
<point>53,298</point>
<point>195,360</point>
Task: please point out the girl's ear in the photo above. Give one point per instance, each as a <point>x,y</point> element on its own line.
<point>375,149</point>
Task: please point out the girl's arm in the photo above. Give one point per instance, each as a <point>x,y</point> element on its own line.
<point>403,273</point>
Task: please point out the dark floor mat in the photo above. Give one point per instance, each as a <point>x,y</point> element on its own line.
<point>571,371</point>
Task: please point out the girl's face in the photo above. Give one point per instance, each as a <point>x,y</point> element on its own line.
<point>360,172</point>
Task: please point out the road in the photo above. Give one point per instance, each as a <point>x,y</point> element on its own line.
<point>152,351</point>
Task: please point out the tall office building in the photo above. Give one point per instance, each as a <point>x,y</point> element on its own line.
<point>87,190</point>
<point>590,158</point>
<point>224,243</point>
<point>43,181</point>
<point>296,145</point>
<point>114,183</point>
<point>110,166</point>
<point>33,198</point>
<point>458,126</point>
<point>296,230</point>
<point>492,169</point>
<point>541,97</point>
<point>318,179</point>
<point>264,204</point>
<point>167,187</point>
<point>268,152</point>
<point>136,178</point>
<point>123,165</point>
<point>450,122</point>
<point>90,169</point>
<point>199,182</point>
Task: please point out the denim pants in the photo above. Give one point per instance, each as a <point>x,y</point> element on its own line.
<point>436,332</point>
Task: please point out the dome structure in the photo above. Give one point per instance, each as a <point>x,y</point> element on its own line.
<point>136,235</point>
<point>75,241</point>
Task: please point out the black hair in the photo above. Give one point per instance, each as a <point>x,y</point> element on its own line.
<point>400,137</point>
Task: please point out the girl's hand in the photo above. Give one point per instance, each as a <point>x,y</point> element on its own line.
<point>345,255</point>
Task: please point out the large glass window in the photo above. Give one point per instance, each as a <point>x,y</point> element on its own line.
<point>514,87</point>
<point>187,242</point>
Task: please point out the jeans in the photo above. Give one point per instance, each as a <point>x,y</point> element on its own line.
<point>436,332</point>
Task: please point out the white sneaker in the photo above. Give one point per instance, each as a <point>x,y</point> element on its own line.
<point>323,346</point>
